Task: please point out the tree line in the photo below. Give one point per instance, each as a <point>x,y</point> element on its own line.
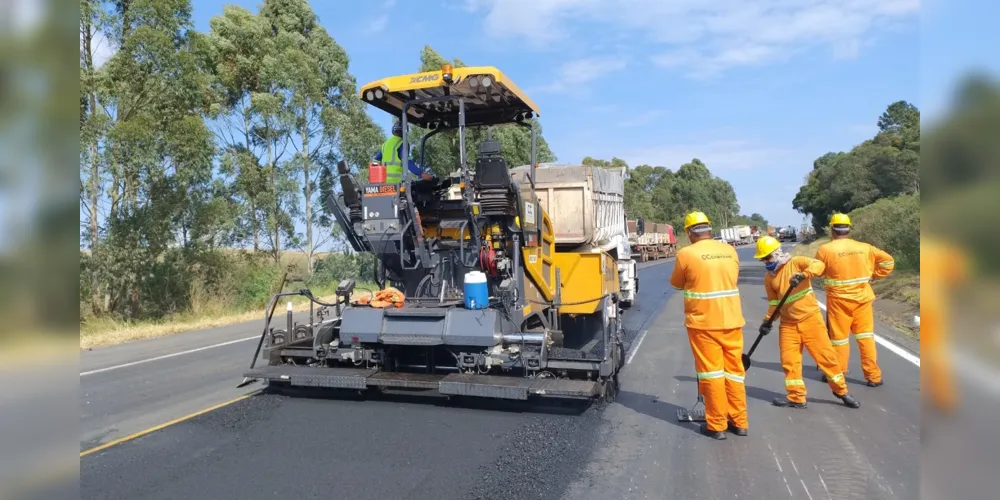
<point>885,166</point>
<point>659,194</point>
<point>877,183</point>
<point>193,144</point>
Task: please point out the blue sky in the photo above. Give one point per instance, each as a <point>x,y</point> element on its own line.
<point>757,89</point>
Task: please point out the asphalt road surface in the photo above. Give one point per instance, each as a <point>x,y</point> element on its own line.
<point>273,446</point>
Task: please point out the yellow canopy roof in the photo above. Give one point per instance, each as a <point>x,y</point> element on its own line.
<point>491,98</point>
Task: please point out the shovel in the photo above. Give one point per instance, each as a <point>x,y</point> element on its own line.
<point>770,321</point>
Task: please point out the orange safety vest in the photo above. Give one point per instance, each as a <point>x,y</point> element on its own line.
<point>707,272</point>
<point>801,303</point>
<point>850,266</point>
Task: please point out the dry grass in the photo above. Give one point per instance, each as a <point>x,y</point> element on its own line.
<point>99,332</point>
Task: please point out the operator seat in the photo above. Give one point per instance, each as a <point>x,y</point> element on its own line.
<point>492,178</point>
<point>491,168</point>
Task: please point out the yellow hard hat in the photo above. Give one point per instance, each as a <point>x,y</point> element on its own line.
<point>695,218</point>
<point>766,246</point>
<point>840,219</point>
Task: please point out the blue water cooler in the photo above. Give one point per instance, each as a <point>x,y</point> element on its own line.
<point>477,294</point>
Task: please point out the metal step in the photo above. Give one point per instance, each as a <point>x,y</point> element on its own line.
<point>307,376</point>
<point>454,384</point>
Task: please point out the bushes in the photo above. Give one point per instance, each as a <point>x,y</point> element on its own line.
<point>186,282</point>
<point>892,224</point>
<point>334,267</point>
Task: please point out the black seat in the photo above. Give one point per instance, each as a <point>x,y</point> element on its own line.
<point>491,168</point>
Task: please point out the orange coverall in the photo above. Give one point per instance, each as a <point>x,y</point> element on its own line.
<point>802,326</point>
<point>850,265</point>
<point>707,271</point>
<point>937,280</point>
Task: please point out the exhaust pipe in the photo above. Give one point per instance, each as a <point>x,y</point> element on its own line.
<point>523,338</point>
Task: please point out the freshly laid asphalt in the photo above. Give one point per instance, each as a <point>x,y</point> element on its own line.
<point>279,446</point>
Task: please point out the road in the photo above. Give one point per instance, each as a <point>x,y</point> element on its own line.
<point>271,446</point>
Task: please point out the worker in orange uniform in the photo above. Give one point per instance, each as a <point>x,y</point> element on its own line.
<point>937,383</point>
<point>801,323</point>
<point>850,265</point>
<point>707,271</point>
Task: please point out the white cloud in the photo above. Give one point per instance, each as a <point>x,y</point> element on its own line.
<point>724,155</point>
<point>641,119</point>
<point>574,75</point>
<point>700,37</point>
<point>101,49</point>
<point>378,24</point>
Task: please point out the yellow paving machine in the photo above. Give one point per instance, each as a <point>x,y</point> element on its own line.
<point>512,280</point>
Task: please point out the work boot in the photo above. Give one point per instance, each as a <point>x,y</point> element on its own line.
<point>739,431</point>
<point>874,384</point>
<point>785,403</point>
<point>712,434</point>
<point>850,401</point>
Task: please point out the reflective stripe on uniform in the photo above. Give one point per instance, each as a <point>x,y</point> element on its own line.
<point>793,297</point>
<point>734,377</point>
<point>840,342</point>
<point>711,375</point>
<point>854,281</point>
<point>837,378</point>
<point>865,335</point>
<point>711,295</point>
<point>794,381</point>
<point>887,264</point>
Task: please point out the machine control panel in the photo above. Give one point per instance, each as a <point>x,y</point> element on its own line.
<point>380,204</point>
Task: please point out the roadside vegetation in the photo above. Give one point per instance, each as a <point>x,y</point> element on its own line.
<point>877,184</point>
<point>659,194</point>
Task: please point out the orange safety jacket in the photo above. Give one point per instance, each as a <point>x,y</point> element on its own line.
<point>850,266</point>
<point>801,303</point>
<point>707,272</point>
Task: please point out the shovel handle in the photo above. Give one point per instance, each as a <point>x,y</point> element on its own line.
<point>769,321</point>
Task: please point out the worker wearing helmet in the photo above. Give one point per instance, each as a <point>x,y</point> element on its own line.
<point>801,323</point>
<point>850,265</point>
<point>707,272</point>
<point>391,156</point>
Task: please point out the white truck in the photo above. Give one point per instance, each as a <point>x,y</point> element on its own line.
<point>744,236</point>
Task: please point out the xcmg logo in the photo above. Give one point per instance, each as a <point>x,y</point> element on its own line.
<point>425,78</point>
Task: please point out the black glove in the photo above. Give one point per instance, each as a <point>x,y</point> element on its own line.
<point>796,279</point>
<point>765,329</point>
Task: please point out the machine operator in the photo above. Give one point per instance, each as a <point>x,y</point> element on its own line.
<point>391,156</point>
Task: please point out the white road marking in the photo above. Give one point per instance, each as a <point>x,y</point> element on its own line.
<point>165,356</point>
<point>635,349</point>
<point>807,489</point>
<point>903,353</point>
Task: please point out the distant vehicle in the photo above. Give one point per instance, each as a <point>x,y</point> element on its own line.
<point>787,234</point>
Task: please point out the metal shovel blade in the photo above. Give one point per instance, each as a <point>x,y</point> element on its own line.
<point>746,362</point>
<point>692,415</point>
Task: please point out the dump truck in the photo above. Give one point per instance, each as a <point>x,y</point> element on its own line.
<point>587,208</point>
<point>651,240</point>
<point>744,235</point>
<point>787,233</point>
<point>482,292</point>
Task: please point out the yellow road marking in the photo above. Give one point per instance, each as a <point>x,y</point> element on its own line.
<point>164,425</point>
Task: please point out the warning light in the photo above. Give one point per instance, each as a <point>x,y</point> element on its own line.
<point>446,71</point>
